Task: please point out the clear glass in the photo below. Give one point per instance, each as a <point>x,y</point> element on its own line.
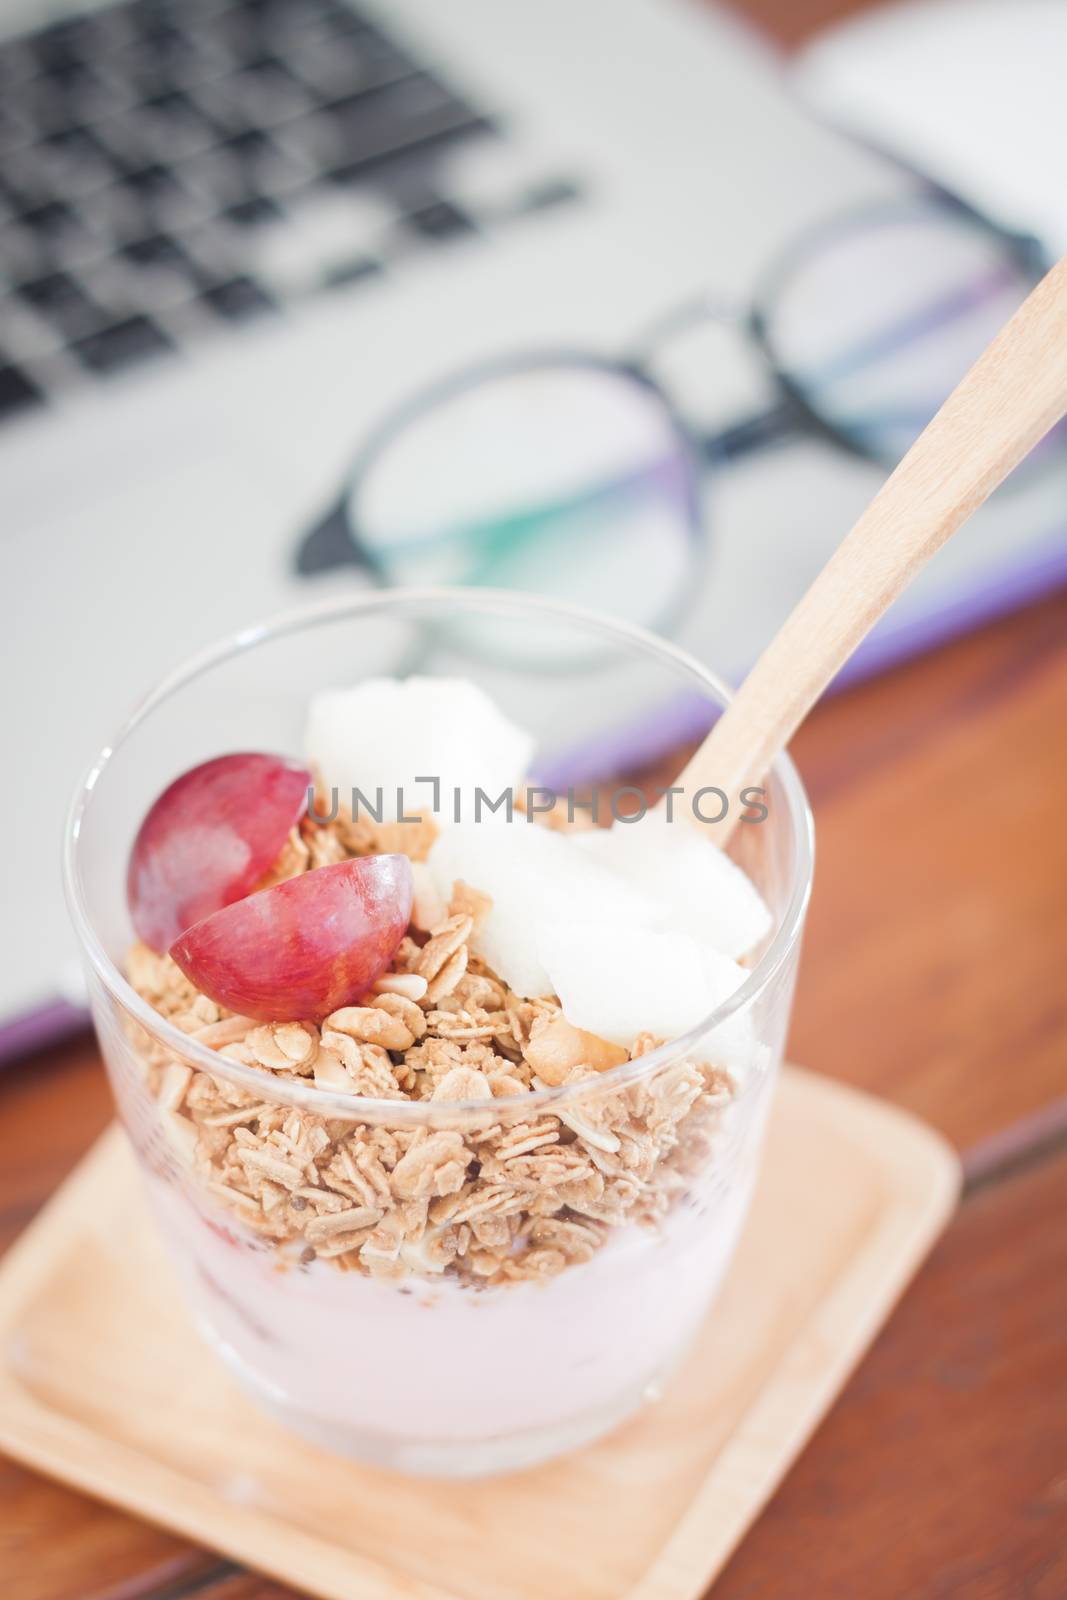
<point>638,1179</point>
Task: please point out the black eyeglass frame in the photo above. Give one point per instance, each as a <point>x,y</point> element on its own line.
<point>335,541</point>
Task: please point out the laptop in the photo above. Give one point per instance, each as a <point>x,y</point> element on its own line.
<point>235,233</point>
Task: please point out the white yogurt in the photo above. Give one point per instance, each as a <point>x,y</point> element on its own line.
<point>425,1373</point>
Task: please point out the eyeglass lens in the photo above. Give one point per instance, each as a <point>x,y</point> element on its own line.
<point>874,322</point>
<point>563,479</point>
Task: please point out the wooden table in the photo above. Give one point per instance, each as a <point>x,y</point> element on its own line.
<point>935,974</point>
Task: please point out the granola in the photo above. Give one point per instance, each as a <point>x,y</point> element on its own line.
<point>504,1198</point>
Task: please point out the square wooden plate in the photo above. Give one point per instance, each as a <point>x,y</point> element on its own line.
<point>105,1384</point>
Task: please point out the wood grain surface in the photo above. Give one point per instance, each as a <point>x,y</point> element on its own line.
<point>933,973</point>
<point>942,1471</point>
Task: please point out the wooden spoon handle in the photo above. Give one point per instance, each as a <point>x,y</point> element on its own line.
<point>1015,392</point>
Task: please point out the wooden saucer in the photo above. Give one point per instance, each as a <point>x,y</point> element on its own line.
<point>105,1384</point>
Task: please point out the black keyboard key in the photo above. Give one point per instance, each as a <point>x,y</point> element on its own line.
<point>17,393</point>
<point>50,219</point>
<point>73,36</point>
<point>348,272</point>
<point>252,213</point>
<point>58,298</point>
<point>270,13</point>
<point>23,254</point>
<point>76,143</point>
<point>14,126</point>
<point>440,219</point>
<point>26,178</point>
<point>56,53</point>
<point>238,299</point>
<point>138,77</point>
<point>267,69</point>
<point>156,250</point>
<point>552,192</point>
<point>160,59</point>
<point>219,179</point>
<point>74,160</point>
<point>61,302</point>
<point>115,213</point>
<point>149,14</point>
<point>266,166</point>
<point>251,146</point>
<point>290,20</point>
<point>388,110</point>
<point>358,171</point>
<point>393,120</point>
<point>171,106</point>
<point>151,183</point>
<point>54,290</point>
<point>118,292</point>
<point>68,72</point>
<point>122,345</point>
<point>264,92</point>
<point>170,126</point>
<point>334,67</point>
<point>69,94</point>
<point>113,29</point>
<point>169,44</point>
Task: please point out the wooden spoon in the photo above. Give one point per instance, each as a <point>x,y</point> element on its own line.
<point>1015,392</point>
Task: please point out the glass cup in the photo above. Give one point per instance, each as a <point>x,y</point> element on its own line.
<point>487,1282</point>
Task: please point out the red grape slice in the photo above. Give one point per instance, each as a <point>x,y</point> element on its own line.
<point>305,947</point>
<point>209,839</point>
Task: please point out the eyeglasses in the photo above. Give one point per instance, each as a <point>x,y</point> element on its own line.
<point>577,477</point>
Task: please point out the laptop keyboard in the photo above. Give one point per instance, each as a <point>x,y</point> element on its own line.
<point>172,167</point>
